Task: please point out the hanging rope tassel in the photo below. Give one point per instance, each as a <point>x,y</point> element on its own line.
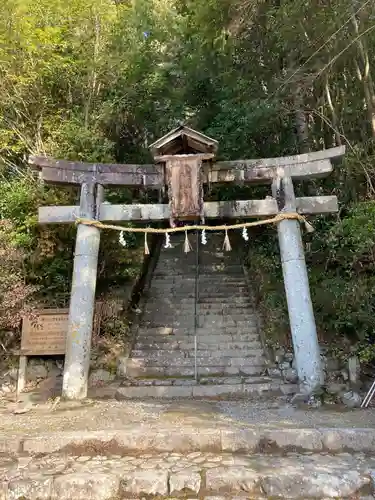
<point>203,237</point>
<point>167,241</point>
<point>187,246</point>
<point>121,239</point>
<point>245,235</point>
<point>147,250</point>
<point>227,246</point>
<point>309,227</point>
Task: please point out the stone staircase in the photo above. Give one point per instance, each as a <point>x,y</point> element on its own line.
<point>230,359</point>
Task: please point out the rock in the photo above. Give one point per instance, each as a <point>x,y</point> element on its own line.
<point>231,479</point>
<point>279,355</point>
<point>186,479</point>
<point>122,366</point>
<point>300,398</point>
<point>13,373</point>
<point>351,399</point>
<point>332,365</point>
<point>53,369</point>
<point>36,371</point>
<point>335,388</point>
<point>30,488</point>
<point>7,388</point>
<point>85,486</point>
<point>290,375</point>
<point>297,484</point>
<point>289,356</point>
<point>345,375</point>
<point>354,369</point>
<point>315,401</point>
<point>274,372</point>
<point>100,376</point>
<point>146,482</point>
<point>285,365</point>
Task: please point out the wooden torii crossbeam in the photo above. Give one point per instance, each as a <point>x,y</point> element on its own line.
<point>183,142</point>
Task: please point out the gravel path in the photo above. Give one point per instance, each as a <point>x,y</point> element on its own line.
<point>101,415</point>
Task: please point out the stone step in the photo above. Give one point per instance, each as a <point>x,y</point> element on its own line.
<point>180,360</point>
<point>210,328</point>
<point>188,371</point>
<point>218,339</point>
<point>175,313</point>
<point>202,281</point>
<point>187,346</point>
<point>192,391</point>
<point>174,298</point>
<point>204,475</point>
<point>203,380</point>
<point>187,358</point>
<point>208,285</point>
<point>203,323</point>
<point>272,436</point>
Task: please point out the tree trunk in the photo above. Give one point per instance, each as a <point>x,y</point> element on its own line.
<point>364,75</point>
<point>302,129</point>
<point>335,122</point>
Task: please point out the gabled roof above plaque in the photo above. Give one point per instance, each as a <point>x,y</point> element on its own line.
<point>183,140</point>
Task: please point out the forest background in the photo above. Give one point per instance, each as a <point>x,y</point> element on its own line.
<point>99,80</point>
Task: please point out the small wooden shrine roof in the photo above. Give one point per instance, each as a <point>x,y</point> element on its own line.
<point>183,140</point>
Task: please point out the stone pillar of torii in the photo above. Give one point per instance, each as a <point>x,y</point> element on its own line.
<point>279,173</point>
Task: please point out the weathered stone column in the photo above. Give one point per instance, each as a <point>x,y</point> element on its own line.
<point>82,301</point>
<point>301,314</point>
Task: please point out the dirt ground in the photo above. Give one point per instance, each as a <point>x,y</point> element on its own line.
<point>32,414</point>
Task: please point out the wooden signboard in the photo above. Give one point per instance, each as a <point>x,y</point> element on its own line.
<point>44,332</point>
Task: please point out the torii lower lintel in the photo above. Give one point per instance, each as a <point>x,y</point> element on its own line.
<point>311,205</point>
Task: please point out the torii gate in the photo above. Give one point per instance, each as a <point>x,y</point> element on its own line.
<point>181,144</point>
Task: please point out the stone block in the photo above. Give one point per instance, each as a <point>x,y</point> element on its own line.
<point>100,376</point>
<point>250,369</point>
<point>240,440</point>
<point>357,440</point>
<point>256,388</point>
<point>145,482</point>
<point>216,390</point>
<point>179,440</point>
<point>234,479</point>
<point>36,371</point>
<point>10,446</point>
<point>85,486</point>
<point>185,480</point>
<point>50,443</point>
<point>166,391</point>
<point>295,439</point>
<point>319,484</point>
<point>30,489</point>
<point>256,358</point>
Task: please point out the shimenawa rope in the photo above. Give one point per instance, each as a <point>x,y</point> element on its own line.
<point>168,230</point>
